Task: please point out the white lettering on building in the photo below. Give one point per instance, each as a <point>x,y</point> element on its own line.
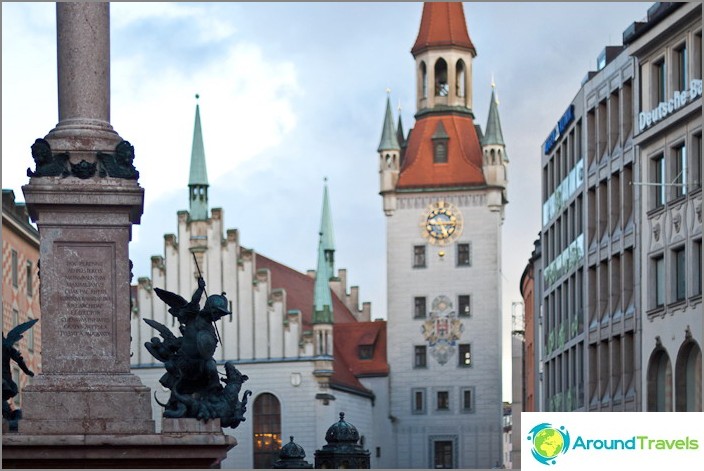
<point>665,108</point>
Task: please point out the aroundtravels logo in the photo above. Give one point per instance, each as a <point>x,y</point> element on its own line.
<point>616,440</point>
<point>548,442</point>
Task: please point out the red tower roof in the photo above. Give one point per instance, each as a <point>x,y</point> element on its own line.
<point>464,154</point>
<point>443,24</point>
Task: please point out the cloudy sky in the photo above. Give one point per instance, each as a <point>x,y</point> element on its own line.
<point>292,93</point>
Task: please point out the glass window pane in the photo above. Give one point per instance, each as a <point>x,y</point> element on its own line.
<point>443,398</point>
<point>463,255</point>
<point>465,355</point>
<point>420,357</point>
<point>419,311</point>
<point>14,268</point>
<point>419,256</point>
<point>659,281</point>
<point>680,274</point>
<point>463,304</point>
<point>267,431</point>
<point>467,399</point>
<point>697,268</point>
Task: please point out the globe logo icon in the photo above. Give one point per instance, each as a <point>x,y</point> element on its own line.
<point>548,442</point>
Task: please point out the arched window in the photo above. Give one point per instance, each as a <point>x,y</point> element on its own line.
<point>267,430</point>
<point>424,80</point>
<point>659,382</point>
<point>460,82</point>
<point>688,378</point>
<point>441,85</point>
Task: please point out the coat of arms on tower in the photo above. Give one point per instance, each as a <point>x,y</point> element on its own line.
<point>442,329</point>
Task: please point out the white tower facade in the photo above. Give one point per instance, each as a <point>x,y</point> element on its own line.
<point>443,265</point>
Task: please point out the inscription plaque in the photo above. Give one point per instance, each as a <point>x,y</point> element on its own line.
<point>86,315</point>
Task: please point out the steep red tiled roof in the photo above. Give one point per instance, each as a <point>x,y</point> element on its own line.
<point>348,337</point>
<point>347,365</point>
<point>464,154</point>
<point>443,24</point>
<point>299,291</point>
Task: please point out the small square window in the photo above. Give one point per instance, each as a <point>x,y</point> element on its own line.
<point>365,352</point>
<point>419,256</point>
<point>465,355</point>
<point>443,400</point>
<point>419,307</point>
<point>420,357</point>
<point>418,401</point>
<point>463,305</point>
<point>467,400</point>
<point>464,255</point>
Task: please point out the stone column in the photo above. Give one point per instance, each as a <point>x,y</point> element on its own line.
<point>83,62</point>
<point>84,196</point>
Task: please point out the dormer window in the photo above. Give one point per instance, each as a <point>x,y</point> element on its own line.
<point>440,139</point>
<point>365,352</point>
<point>441,85</point>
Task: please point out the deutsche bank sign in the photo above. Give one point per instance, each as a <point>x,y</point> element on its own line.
<point>665,108</point>
<point>562,124</point>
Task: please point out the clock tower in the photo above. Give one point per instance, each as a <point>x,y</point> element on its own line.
<point>444,196</point>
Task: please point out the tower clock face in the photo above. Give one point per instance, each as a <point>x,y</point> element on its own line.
<point>441,223</point>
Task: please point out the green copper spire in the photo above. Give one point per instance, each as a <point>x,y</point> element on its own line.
<point>198,179</point>
<point>493,135</point>
<point>326,234</point>
<point>322,299</point>
<point>400,138</point>
<point>388,133</point>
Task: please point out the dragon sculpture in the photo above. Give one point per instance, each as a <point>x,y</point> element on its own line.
<point>197,391</point>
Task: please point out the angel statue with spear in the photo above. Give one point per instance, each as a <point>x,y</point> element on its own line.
<point>9,388</point>
<point>191,371</point>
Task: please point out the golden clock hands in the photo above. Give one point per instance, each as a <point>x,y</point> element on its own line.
<point>437,222</point>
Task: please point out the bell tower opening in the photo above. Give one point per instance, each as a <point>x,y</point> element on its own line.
<point>423,80</point>
<point>442,86</point>
<point>460,82</point>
